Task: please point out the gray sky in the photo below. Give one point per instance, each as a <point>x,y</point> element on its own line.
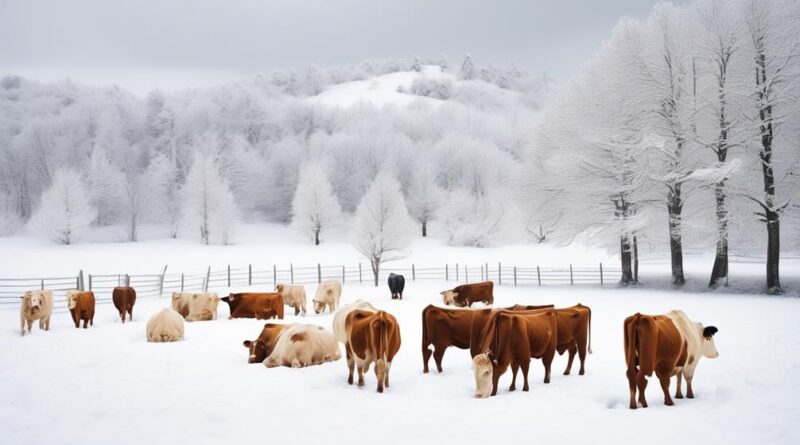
<point>173,44</point>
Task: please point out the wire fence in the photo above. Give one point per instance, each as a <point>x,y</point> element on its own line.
<point>231,278</point>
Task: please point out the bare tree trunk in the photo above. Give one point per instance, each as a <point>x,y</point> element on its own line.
<point>424,228</point>
<point>719,272</point>
<point>376,269</point>
<point>635,260</point>
<point>675,207</point>
<point>316,237</point>
<point>625,259</point>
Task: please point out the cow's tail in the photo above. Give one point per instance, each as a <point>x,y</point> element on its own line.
<point>590,329</point>
<point>631,341</point>
<point>425,340</point>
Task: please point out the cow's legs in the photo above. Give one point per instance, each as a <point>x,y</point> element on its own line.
<point>525,365</point>
<point>572,351</point>
<point>642,384</point>
<point>30,326</point>
<point>631,374</point>
<point>514,369</point>
<point>438,355</point>
<point>426,355</point>
<point>296,311</point>
<point>679,378</point>
<point>22,325</point>
<point>582,356</point>
<point>47,324</point>
<point>689,377</point>
<point>85,323</point>
<point>663,378</point>
<point>495,380</point>
<point>547,361</point>
<point>350,362</point>
<point>122,315</point>
<point>363,369</point>
<point>130,314</point>
<point>386,379</point>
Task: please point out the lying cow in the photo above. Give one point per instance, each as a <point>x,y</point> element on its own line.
<point>443,328</point>
<point>396,285</point>
<point>261,306</point>
<point>655,343</point>
<point>328,294</point>
<point>340,316</point>
<point>513,338</point>
<point>36,305</point>
<point>263,346</point>
<point>201,306</point>
<point>124,298</point>
<point>293,296</point>
<point>466,294</point>
<point>371,337</point>
<point>301,345</point>
<point>81,307</point>
<point>180,302</point>
<point>165,326</point>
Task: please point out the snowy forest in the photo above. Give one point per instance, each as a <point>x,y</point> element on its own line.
<point>681,135</point>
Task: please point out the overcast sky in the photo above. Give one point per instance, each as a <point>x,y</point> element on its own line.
<point>144,44</point>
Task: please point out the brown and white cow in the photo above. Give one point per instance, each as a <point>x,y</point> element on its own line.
<point>301,345</point>
<point>36,305</point>
<point>513,338</point>
<point>261,306</point>
<point>655,343</point>
<point>263,346</point>
<point>466,294</point>
<point>124,298</point>
<point>443,328</point>
<point>340,316</point>
<point>165,326</point>
<point>81,307</point>
<point>294,295</point>
<point>699,344</point>
<point>180,302</point>
<point>371,337</point>
<point>203,307</point>
<point>327,295</point>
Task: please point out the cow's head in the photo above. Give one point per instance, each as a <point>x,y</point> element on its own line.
<point>483,367</point>
<point>319,306</point>
<point>72,300</point>
<point>258,350</point>
<point>449,297</point>
<point>36,301</point>
<point>231,298</point>
<point>279,288</point>
<point>709,348</point>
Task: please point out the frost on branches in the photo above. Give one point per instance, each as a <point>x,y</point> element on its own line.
<point>64,213</point>
<point>315,209</point>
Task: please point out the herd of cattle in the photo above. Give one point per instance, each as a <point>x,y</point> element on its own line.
<point>497,338</point>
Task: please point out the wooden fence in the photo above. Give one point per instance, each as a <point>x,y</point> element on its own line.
<point>156,285</point>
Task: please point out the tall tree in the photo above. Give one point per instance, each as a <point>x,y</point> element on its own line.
<point>315,209</point>
<point>64,213</point>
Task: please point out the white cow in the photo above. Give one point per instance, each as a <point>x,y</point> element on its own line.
<point>699,342</point>
<point>180,302</point>
<point>327,295</point>
<point>301,345</point>
<point>36,305</point>
<point>341,315</point>
<point>294,295</point>
<point>165,326</point>
<point>203,307</point>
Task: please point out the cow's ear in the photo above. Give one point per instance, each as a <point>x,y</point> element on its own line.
<point>709,331</point>
<point>455,294</point>
<point>247,343</point>
<point>441,293</point>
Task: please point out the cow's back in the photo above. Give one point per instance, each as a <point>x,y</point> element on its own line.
<point>339,318</point>
<point>475,292</point>
<point>123,297</point>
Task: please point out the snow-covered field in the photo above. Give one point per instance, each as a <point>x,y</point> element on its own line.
<point>108,385</point>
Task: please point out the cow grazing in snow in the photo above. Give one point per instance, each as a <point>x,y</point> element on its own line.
<point>36,305</point>
<point>261,306</point>
<point>327,295</point>
<point>165,326</point>
<point>466,294</point>
<point>81,307</point>
<point>340,316</point>
<point>294,295</point>
<point>124,298</point>
<point>301,345</point>
<point>371,337</point>
<point>396,285</point>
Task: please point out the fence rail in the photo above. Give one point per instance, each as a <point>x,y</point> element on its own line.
<point>156,285</point>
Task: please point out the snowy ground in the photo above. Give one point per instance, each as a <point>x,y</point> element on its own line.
<point>107,384</point>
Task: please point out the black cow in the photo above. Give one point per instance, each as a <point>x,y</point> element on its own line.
<point>396,285</point>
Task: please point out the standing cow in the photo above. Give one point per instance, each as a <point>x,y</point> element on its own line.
<point>699,344</point>
<point>327,295</point>
<point>124,298</point>
<point>396,285</point>
<point>294,295</point>
<point>371,337</point>
<point>341,315</point>
<point>81,306</point>
<point>36,305</point>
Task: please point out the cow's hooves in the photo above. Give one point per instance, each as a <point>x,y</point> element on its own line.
<point>512,388</point>
<point>669,403</point>
<point>424,371</point>
<point>566,372</point>
<point>526,389</point>
<point>691,396</point>
<point>678,396</point>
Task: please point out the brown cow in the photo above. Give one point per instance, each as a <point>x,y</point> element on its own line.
<point>262,347</point>
<point>371,337</point>
<point>513,338</point>
<point>81,306</point>
<point>466,294</point>
<point>452,327</point>
<point>124,298</point>
<point>261,306</point>
<point>654,343</point>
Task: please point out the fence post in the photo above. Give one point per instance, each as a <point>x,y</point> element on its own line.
<point>319,273</point>
<point>42,283</point>
<point>571,282</point>
<point>413,273</point>
<point>181,281</point>
<point>119,280</point>
<point>487,272</point>
<point>90,281</point>
<point>127,280</point>
<point>515,276</point>
<point>466,274</point>
<point>456,272</point>
<point>446,273</point>
<point>274,275</point>
<point>343,276</point>
<point>538,275</point>
<point>291,273</point>
<point>482,279</point>
<point>229,275</point>
<point>249,274</point>
<point>208,277</point>
<point>161,285</point>
<point>359,274</point>
<point>601,274</point>
<point>499,274</point>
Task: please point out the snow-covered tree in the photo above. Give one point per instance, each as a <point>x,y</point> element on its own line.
<point>468,71</point>
<point>208,201</point>
<point>104,183</point>
<point>64,213</point>
<point>383,226</point>
<point>163,194</point>
<point>424,196</point>
<point>417,65</point>
<point>315,209</point>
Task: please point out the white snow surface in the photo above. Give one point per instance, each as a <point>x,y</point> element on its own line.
<point>381,90</point>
